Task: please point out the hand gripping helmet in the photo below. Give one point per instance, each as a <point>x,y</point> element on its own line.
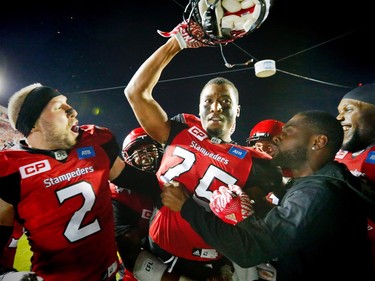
<point>264,130</point>
<point>224,21</point>
<point>141,151</point>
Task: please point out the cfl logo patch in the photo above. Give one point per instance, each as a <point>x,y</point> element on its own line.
<point>198,133</point>
<point>146,214</point>
<point>34,169</point>
<point>149,265</point>
<point>341,154</point>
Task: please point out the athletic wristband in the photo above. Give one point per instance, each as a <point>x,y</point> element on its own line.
<point>180,40</point>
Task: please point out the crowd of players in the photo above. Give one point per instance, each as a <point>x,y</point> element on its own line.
<point>183,200</point>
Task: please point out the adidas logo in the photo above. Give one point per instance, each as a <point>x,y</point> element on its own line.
<point>231,217</point>
<point>197,253</point>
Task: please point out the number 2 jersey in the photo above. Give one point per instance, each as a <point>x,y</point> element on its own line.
<point>62,199</point>
<point>202,165</point>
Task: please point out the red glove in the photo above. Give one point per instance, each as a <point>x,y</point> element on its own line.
<point>188,35</point>
<point>231,204</point>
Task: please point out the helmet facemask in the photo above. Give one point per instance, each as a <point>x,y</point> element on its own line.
<point>141,151</point>
<point>258,137</point>
<point>145,157</point>
<point>224,21</point>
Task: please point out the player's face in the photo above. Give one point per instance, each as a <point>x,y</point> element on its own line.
<point>357,119</point>
<point>266,146</point>
<point>58,124</point>
<point>218,110</point>
<point>292,144</point>
<point>145,157</point>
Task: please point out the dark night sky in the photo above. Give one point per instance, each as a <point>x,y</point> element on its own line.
<point>90,50</point>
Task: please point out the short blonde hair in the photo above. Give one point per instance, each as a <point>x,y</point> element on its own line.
<point>16,101</point>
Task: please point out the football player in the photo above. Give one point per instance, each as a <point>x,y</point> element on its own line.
<point>306,236</point>
<point>57,180</point>
<point>356,112</point>
<point>201,155</point>
<point>261,135</point>
<point>132,210</point>
<point>261,138</point>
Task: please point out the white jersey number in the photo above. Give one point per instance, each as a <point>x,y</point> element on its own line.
<point>75,231</point>
<point>202,190</point>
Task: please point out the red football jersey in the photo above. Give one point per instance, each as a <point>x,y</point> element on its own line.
<point>202,165</point>
<point>65,206</point>
<point>137,202</point>
<point>362,164</point>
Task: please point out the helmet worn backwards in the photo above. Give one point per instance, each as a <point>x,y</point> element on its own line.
<point>141,151</point>
<point>264,130</point>
<point>224,21</point>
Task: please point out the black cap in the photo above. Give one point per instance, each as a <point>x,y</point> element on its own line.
<point>365,93</point>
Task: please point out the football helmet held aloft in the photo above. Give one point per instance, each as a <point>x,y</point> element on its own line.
<point>223,21</point>
<point>141,151</point>
<point>264,130</point>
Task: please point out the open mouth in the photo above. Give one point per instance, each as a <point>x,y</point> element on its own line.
<point>346,127</point>
<point>149,167</point>
<point>75,127</point>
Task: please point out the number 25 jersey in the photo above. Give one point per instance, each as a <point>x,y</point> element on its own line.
<point>202,165</point>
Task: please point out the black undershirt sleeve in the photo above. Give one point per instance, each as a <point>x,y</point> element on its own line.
<point>140,181</point>
<point>113,150</point>
<point>264,175</point>
<point>5,234</point>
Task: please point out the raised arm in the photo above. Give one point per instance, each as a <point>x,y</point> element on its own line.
<point>150,115</point>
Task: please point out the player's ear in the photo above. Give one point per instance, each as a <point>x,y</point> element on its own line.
<point>238,110</point>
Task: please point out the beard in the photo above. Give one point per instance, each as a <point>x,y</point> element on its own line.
<point>290,159</point>
<point>59,137</point>
<point>215,132</point>
<point>355,143</point>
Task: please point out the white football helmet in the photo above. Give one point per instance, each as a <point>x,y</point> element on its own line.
<point>224,21</point>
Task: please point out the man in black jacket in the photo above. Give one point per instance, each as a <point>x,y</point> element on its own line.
<point>317,232</point>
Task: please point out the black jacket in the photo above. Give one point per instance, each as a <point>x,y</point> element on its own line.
<point>318,232</point>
